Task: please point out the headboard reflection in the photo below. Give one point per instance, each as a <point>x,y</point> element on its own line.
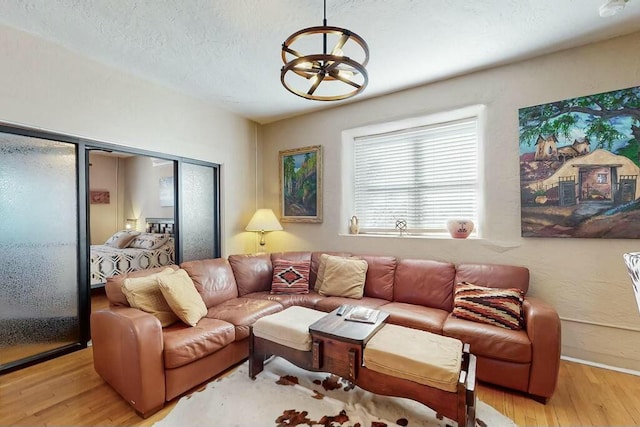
<point>160,225</point>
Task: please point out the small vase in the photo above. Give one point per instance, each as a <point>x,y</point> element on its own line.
<point>460,228</point>
<point>354,225</point>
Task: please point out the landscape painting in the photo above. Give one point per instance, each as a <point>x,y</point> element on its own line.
<point>579,167</point>
<point>301,184</point>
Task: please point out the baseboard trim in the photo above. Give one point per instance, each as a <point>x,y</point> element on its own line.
<point>601,365</point>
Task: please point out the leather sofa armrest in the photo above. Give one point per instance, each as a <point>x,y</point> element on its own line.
<point>543,328</point>
<point>127,353</point>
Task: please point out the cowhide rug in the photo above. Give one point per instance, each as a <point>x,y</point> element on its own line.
<point>285,395</point>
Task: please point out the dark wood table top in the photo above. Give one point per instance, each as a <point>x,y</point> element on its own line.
<point>334,326</point>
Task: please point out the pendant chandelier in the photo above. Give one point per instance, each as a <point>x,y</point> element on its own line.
<point>330,75</point>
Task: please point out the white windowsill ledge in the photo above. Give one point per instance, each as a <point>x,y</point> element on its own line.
<point>439,236</point>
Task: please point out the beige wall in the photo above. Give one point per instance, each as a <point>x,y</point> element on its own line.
<point>45,86</point>
<point>104,218</point>
<point>585,279</point>
<point>142,190</point>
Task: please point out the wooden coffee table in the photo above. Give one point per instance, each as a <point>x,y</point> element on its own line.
<point>337,347</point>
<point>338,343</point>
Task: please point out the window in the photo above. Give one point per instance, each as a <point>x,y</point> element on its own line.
<point>424,174</point>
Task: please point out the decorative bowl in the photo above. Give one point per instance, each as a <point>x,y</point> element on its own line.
<point>460,228</point>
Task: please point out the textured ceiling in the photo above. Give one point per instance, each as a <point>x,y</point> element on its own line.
<point>227,52</point>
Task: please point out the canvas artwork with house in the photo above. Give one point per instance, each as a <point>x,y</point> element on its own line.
<point>579,166</point>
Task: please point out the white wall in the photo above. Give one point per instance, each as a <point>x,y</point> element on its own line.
<point>45,86</point>
<point>585,279</point>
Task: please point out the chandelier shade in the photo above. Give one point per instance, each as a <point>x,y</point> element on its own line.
<point>311,71</point>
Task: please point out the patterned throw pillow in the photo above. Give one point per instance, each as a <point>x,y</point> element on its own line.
<point>495,306</point>
<point>121,239</point>
<point>290,277</point>
<point>149,241</point>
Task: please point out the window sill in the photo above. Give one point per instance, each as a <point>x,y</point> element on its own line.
<point>438,236</point>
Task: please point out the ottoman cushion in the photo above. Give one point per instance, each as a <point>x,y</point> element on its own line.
<point>290,327</point>
<point>414,355</point>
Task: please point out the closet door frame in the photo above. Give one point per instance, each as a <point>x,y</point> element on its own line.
<point>217,220</point>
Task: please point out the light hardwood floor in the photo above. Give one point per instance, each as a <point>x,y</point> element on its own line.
<point>67,391</point>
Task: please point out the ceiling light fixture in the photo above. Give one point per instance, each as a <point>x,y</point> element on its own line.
<point>326,76</point>
<point>611,7</point>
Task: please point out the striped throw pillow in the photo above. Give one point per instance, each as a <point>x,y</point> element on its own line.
<point>495,306</point>
<point>290,277</point>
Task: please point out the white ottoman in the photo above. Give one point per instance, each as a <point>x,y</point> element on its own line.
<point>414,355</point>
<point>290,327</point>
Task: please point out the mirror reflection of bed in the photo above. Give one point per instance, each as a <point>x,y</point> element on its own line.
<point>131,250</point>
<point>130,216</point>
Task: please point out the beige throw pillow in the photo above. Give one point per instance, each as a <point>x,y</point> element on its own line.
<point>322,265</point>
<point>344,277</point>
<point>183,297</point>
<point>144,294</point>
<point>320,276</point>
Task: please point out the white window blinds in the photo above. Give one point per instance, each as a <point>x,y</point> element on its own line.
<point>424,175</point>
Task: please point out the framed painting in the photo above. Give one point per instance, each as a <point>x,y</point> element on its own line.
<point>579,167</point>
<point>99,197</point>
<point>301,184</point>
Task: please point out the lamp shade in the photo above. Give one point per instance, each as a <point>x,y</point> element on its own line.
<point>264,220</point>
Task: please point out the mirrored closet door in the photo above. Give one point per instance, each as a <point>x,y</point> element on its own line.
<point>39,245</point>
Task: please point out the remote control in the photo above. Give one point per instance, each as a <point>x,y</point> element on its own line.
<point>341,310</point>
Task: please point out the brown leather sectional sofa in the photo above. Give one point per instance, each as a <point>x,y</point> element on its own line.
<point>148,365</point>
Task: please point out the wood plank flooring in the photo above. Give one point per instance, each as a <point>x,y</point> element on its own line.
<point>67,391</point>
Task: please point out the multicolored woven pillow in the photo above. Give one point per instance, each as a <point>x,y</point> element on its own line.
<point>290,277</point>
<point>495,306</point>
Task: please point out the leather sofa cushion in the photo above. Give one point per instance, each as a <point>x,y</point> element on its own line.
<point>506,374</point>
<point>184,344</point>
<point>331,303</point>
<point>494,275</point>
<point>291,256</point>
<point>490,341</point>
<point>416,316</point>
<point>424,282</point>
<point>113,287</point>
<point>380,276</point>
<point>243,312</point>
<point>213,279</point>
<point>304,300</point>
<point>253,273</point>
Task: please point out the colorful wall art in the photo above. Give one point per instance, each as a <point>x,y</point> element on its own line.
<point>579,167</point>
<point>301,184</point>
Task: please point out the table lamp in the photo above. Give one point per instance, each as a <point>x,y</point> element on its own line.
<point>263,220</point>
